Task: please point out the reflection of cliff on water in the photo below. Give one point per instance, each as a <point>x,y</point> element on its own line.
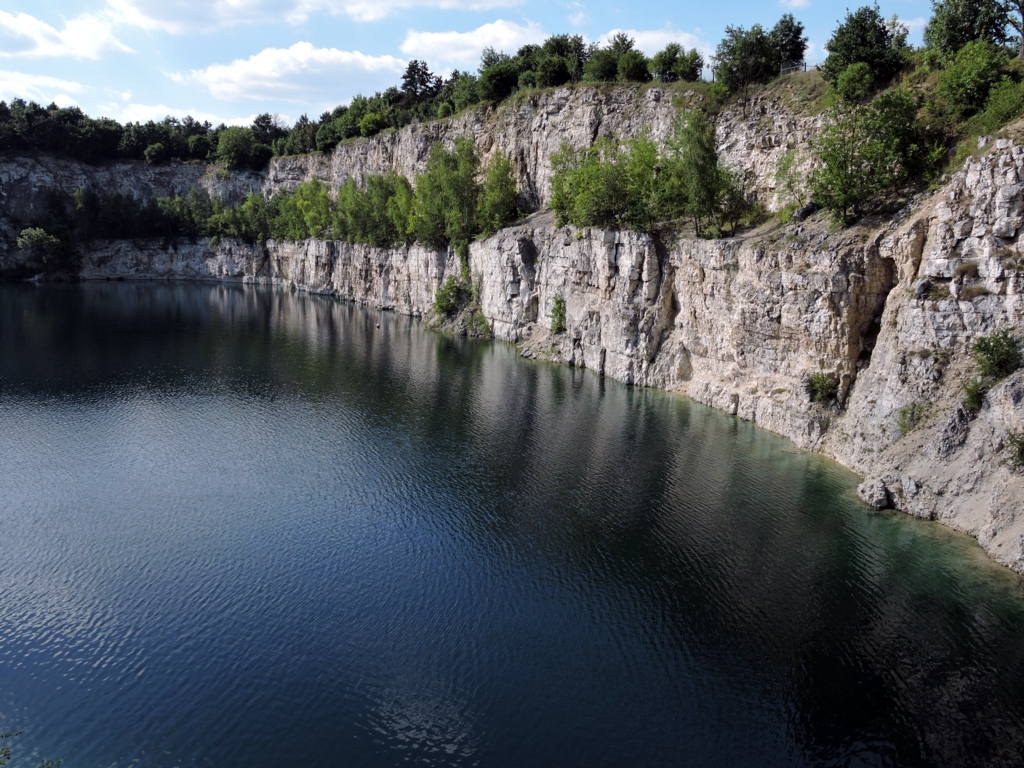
<point>750,577</point>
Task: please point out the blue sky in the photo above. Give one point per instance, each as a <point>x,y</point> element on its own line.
<point>228,60</point>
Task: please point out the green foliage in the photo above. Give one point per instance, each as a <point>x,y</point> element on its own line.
<point>854,85</point>
<point>1014,447</point>
<point>1005,103</point>
<point>465,92</point>
<point>821,387</point>
<point>498,81</point>
<point>967,270</point>
<point>553,71</point>
<point>378,214</point>
<point>445,210</point>
<point>974,394</point>
<point>966,83</point>
<point>955,23</point>
<point>632,68</point>
<point>998,355</point>
<point>303,214</point>
<point>790,184</point>
<point>910,416</point>
<point>39,244</point>
<point>864,36</point>
<point>695,179</point>
<point>558,314</point>
<point>745,57</point>
<point>864,150</point>
<point>371,123</point>
<point>787,38</point>
<point>606,185</point>
<point>498,199</point>
<point>674,63</point>
<point>235,147</point>
<point>449,298</point>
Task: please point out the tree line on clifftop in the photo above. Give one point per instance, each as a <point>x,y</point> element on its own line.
<point>892,115</point>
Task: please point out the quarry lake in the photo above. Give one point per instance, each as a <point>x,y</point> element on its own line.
<point>247,527</point>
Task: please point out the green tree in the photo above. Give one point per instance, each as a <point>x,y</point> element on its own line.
<point>447,193</point>
<point>39,244</point>
<point>866,37</point>
<point>863,150</point>
<point>465,92</point>
<point>498,199</point>
<point>697,166</point>
<point>632,68</point>
<point>674,63</point>
<point>787,38</point>
<point>966,82</point>
<point>553,71</point>
<point>955,23</point>
<point>497,82</point>
<point>744,58</point>
<point>572,49</point>
<point>235,147</point>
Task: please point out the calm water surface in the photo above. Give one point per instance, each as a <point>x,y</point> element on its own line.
<point>241,527</point>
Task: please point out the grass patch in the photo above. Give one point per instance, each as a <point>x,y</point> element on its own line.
<point>821,387</point>
<point>974,394</point>
<point>910,416</point>
<point>968,270</point>
<point>972,292</point>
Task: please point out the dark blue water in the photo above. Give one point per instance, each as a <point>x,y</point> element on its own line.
<point>241,527</point>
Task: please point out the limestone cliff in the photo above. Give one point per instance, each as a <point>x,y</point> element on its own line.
<point>738,323</point>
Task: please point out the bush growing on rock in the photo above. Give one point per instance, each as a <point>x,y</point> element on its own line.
<point>821,387</point>
<point>39,244</point>
<point>998,355</point>
<point>864,36</point>
<point>558,314</point>
<point>498,199</point>
<point>966,83</point>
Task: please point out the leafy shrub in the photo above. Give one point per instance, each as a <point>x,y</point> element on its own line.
<point>910,416</point>
<point>444,110</point>
<point>558,314</point>
<point>449,297</point>
<point>372,123</point>
<point>966,83</point>
<point>998,355</point>
<point>445,209</point>
<point>553,71</point>
<point>864,36</point>
<point>674,63</point>
<point>39,244</point>
<point>1014,446</point>
<point>498,200</point>
<point>864,150</point>
<point>237,148</point>
<point>498,81</point>
<point>632,68</point>
<point>974,394</point>
<point>821,387</point>
<point>1005,103</point>
<point>956,23</point>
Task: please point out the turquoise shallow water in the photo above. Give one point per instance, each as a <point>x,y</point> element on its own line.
<point>248,527</point>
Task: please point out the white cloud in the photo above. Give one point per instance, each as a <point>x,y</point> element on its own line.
<point>37,88</point>
<point>84,37</point>
<point>795,3</point>
<point>136,113</point>
<point>650,41</point>
<point>301,74</point>
<point>465,47</point>
<point>184,16</point>
<point>914,25</point>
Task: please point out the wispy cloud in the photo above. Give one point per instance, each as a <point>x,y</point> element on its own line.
<point>140,113</point>
<point>38,88</point>
<point>465,47</point>
<point>795,3</point>
<point>184,16</point>
<point>84,37</point>
<point>302,74</point>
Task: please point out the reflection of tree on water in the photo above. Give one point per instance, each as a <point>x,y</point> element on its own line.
<point>731,577</point>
